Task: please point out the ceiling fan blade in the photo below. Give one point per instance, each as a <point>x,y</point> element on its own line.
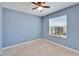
<point>40,3</point>
<point>44,2</point>
<point>34,3</point>
<point>34,8</point>
<point>46,6</point>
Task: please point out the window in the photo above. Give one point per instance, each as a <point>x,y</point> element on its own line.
<point>58,26</point>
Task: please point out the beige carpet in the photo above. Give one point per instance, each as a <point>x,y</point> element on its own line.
<point>38,48</point>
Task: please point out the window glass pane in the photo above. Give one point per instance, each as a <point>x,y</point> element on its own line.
<point>58,26</point>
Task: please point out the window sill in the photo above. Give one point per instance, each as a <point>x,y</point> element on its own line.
<point>58,36</point>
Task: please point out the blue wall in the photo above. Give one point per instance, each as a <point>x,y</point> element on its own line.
<point>72,39</point>
<point>19,27</point>
<point>0,27</point>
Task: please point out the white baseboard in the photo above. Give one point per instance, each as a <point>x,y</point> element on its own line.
<point>21,43</point>
<point>62,46</point>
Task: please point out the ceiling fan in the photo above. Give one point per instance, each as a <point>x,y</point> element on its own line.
<point>40,5</point>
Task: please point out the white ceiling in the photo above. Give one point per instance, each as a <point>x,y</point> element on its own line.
<point>27,7</point>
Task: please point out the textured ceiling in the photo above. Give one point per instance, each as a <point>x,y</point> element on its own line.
<point>26,7</point>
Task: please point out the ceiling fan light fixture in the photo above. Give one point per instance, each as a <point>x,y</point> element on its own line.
<point>40,8</point>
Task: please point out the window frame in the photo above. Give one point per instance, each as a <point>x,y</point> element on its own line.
<point>66,26</point>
